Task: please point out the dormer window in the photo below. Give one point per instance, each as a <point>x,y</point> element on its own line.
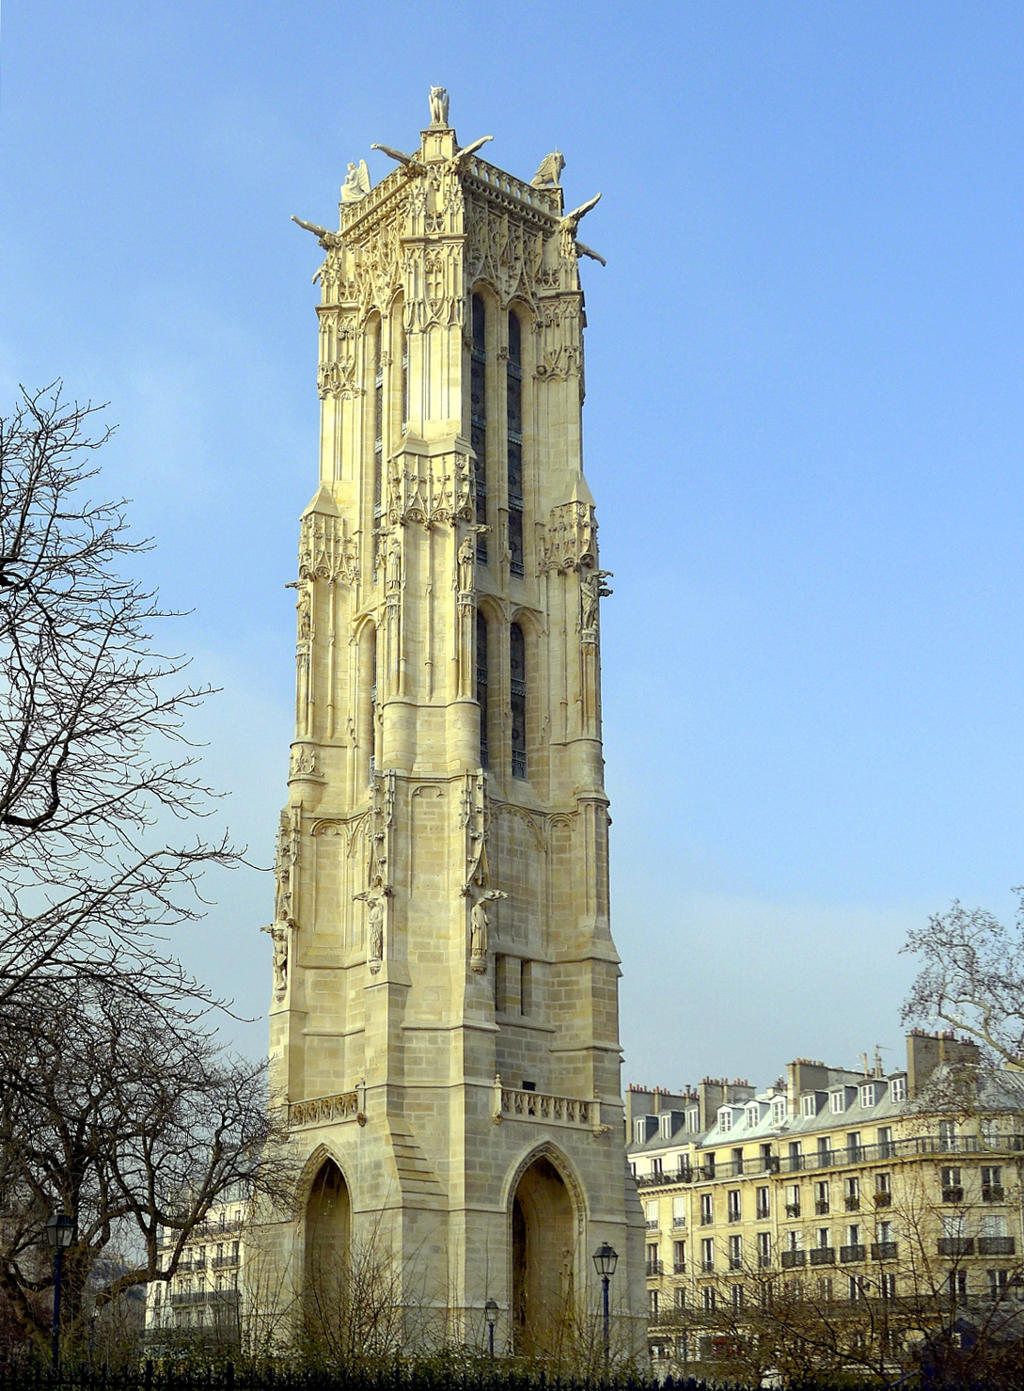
<point>867,1094</point>
<point>837,1102</point>
<point>809,1105</point>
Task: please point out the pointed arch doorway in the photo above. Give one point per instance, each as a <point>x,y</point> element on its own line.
<point>327,1248</point>
<point>543,1246</point>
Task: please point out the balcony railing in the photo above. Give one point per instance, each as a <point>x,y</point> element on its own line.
<point>852,1203</point>
<point>953,1194</point>
<point>823,1255</point>
<point>219,1262</point>
<point>762,1214</point>
<point>517,1104</point>
<point>995,1246</point>
<point>956,1246</point>
<point>991,1193</point>
<point>883,1250</point>
<point>788,1259</point>
<point>655,1268</point>
<point>853,1253</point>
<point>883,1198</point>
<point>678,1267</point>
<point>792,1209</point>
<point>764,1259</point>
<point>319,1110</point>
<point>821,1207</point>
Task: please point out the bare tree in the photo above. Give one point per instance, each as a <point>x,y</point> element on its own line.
<point>972,979</point>
<point>132,1120</point>
<point>92,744</point>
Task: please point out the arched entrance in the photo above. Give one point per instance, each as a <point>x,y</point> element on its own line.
<point>543,1257</point>
<point>328,1237</point>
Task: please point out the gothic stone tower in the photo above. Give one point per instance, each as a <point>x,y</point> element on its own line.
<point>444,1025</point>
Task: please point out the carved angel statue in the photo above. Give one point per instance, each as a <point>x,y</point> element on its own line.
<point>279,936</point>
<point>479,925</point>
<point>438,106</point>
<point>550,171</point>
<point>357,183</point>
<point>592,590</point>
<point>328,240</point>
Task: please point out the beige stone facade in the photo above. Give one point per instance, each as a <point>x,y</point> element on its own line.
<point>831,1205</point>
<point>444,1023</point>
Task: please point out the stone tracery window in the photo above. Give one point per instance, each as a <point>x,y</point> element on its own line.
<point>517,695</point>
<point>514,412</point>
<point>478,419</point>
<point>481,683</point>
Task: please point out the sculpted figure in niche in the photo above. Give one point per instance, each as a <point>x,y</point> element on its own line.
<point>479,926</point>
<point>374,900</point>
<point>550,171</point>
<point>357,182</point>
<point>394,571</point>
<point>592,591</point>
<point>438,106</point>
<point>279,936</point>
<point>467,556</point>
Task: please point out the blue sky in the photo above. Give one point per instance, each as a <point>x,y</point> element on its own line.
<point>803,431</point>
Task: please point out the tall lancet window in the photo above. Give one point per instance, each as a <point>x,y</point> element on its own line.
<point>405,382</point>
<point>481,682</point>
<point>478,420</point>
<point>517,669</point>
<point>514,407</point>
<point>378,422</point>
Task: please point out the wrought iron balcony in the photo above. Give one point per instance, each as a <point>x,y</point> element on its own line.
<point>788,1259</point>
<point>955,1246</point>
<point>852,1203</point>
<point>655,1268</point>
<point>953,1195</point>
<point>883,1250</point>
<point>853,1253</point>
<point>991,1193</point>
<point>821,1206</point>
<point>996,1246</point>
<point>823,1255</point>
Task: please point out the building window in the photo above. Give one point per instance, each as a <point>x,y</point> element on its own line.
<point>481,682</point>
<point>952,1185</point>
<point>708,1294</point>
<point>693,1122</point>
<point>956,1283</point>
<point>478,420</point>
<point>706,1211</point>
<point>709,1164</point>
<point>867,1094</point>
<point>737,1298</point>
<point>809,1106</point>
<point>707,1254</point>
<point>825,1151</point>
<point>887,1285</point>
<point>733,1204</point>
<point>651,1215</point>
<point>821,1197</point>
<point>855,1289</point>
<point>679,1297</point>
<point>796,1154</point>
<point>514,406</point>
<point>853,1149</point>
<point>883,1189</point>
<point>656,1166</point>
<point>764,1248</point>
<point>736,1252</point>
<point>898,1089</point>
<point>991,1183</point>
<point>678,1257</point>
<point>947,1135</point>
<point>852,1193</point>
<point>762,1203</point>
<point>652,1303</point>
<point>778,1110</point>
<point>792,1200</point>
<point>725,1118</point>
<point>679,1211</point>
<point>665,1125</point>
<point>837,1102</point>
<point>998,1283</point>
<point>753,1114</point>
<point>517,666</point>
<point>886,1145</point>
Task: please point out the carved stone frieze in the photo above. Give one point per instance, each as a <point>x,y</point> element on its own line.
<point>502,251</point>
<point>557,329</point>
<point>326,552</point>
<point>570,538</point>
<point>430,491</point>
<point>337,374</point>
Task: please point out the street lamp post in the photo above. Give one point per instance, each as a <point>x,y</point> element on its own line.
<point>60,1231</point>
<point>605,1260</point>
<point>491,1315</point>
